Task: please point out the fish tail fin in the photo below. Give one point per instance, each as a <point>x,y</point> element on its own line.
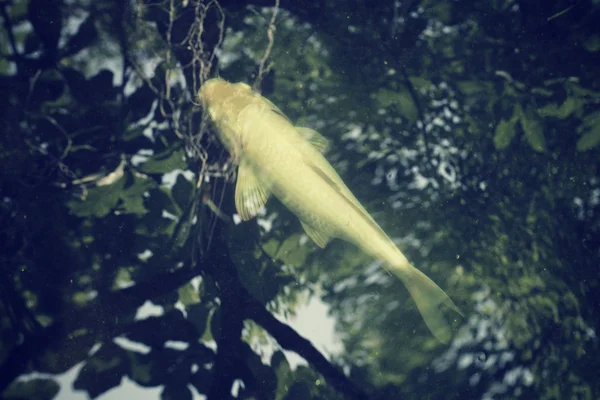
<point>428,296</point>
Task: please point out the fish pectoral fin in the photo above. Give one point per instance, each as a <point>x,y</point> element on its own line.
<point>251,195</point>
<point>318,236</point>
<point>318,141</point>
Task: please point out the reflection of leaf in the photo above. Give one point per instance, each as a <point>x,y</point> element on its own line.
<point>176,392</point>
<point>420,82</point>
<point>103,371</point>
<point>505,132</point>
<point>299,391</point>
<point>534,130</point>
<point>401,99</point>
<point>140,102</point>
<point>198,315</point>
<point>265,377</point>
<point>153,223</point>
<point>290,252</point>
<point>182,192</point>
<point>101,86</point>
<point>133,194</point>
<point>188,295</point>
<point>56,359</point>
<point>471,87</point>
<point>590,131</point>
<point>592,44</point>
<point>143,369</point>
<point>85,35</point>
<point>78,85</point>
<point>215,324</point>
<point>164,162</point>
<point>46,18</point>
<point>202,379</point>
<point>34,389</point>
<point>257,272</point>
<point>100,200</point>
<point>155,331</point>
<point>589,140</point>
<point>563,111</point>
<point>282,370</point>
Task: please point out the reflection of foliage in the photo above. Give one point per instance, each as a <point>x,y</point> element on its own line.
<point>476,131</point>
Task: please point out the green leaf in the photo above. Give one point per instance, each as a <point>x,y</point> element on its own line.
<point>188,295</point>
<point>400,99</point>
<point>592,44</point>
<point>46,18</point>
<point>153,223</point>
<point>176,392</point>
<point>534,130</point>
<point>590,131</point>
<point>133,195</point>
<point>290,252</point>
<point>33,389</point>
<point>100,200</point>
<point>103,371</point>
<point>589,140</point>
<point>589,122</point>
<point>182,192</point>
<point>284,374</point>
<point>198,315</point>
<point>215,324</point>
<point>505,132</point>
<point>468,87</point>
<point>568,107</point>
<point>299,391</point>
<point>84,37</point>
<point>258,273</point>
<point>420,82</point>
<point>164,162</point>
<point>265,377</point>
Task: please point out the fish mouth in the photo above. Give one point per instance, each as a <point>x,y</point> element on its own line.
<point>207,90</point>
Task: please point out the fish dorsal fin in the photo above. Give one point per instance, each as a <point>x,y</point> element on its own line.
<point>251,195</point>
<point>274,108</point>
<point>318,141</point>
<point>327,173</point>
<point>318,236</point>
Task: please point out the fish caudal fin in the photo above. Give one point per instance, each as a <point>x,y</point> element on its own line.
<point>428,296</point>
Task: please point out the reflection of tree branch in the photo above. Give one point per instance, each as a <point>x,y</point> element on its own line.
<point>289,339</point>
<point>105,308</point>
<point>239,303</point>
<point>229,341</point>
<point>263,60</point>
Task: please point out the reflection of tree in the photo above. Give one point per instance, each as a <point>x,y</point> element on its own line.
<point>480,149</point>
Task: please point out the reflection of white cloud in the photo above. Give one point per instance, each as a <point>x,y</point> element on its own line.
<point>170,178</point>
<point>130,345</point>
<point>148,309</point>
<point>313,322</point>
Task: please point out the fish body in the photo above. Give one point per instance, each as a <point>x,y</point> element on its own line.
<point>276,157</point>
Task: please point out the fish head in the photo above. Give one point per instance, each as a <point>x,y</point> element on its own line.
<point>224,102</point>
<point>216,91</point>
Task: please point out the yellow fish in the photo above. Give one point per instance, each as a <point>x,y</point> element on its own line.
<point>274,156</point>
